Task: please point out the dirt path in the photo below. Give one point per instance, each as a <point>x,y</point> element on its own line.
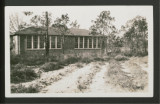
<point>98,83</point>
<point>69,84</point>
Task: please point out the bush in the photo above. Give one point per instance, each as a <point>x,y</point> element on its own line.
<point>86,60</point>
<point>128,54</point>
<point>15,59</point>
<point>71,60</point>
<point>33,60</point>
<point>22,89</point>
<point>27,59</point>
<point>120,58</point>
<point>50,66</point>
<point>17,66</point>
<point>99,59</point>
<point>22,75</point>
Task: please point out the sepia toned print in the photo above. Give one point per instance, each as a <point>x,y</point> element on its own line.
<point>76,53</point>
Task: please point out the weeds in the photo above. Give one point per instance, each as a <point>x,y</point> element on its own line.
<point>22,89</point>
<point>121,78</point>
<point>22,75</point>
<point>51,66</point>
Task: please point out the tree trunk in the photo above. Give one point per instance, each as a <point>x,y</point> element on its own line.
<point>47,38</point>
<point>63,44</point>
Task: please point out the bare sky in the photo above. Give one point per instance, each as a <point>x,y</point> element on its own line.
<point>84,14</point>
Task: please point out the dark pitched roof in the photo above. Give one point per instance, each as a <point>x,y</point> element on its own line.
<point>51,31</point>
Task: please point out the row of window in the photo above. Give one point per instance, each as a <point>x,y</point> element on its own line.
<point>38,42</point>
<point>87,42</point>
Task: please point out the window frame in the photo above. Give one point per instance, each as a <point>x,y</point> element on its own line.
<point>38,42</point>
<point>92,44</point>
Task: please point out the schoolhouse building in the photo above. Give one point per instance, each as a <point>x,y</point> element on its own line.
<point>31,40</point>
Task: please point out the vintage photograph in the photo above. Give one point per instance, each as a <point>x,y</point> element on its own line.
<point>77,51</point>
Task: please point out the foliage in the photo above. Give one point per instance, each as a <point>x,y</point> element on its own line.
<point>24,74</point>
<point>75,24</point>
<point>136,35</point>
<point>40,20</point>
<point>16,23</point>
<point>27,59</point>
<point>22,89</point>
<point>86,60</point>
<point>50,66</point>
<point>103,25</point>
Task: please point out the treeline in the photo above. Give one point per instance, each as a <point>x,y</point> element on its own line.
<point>134,33</point>
<point>136,36</point>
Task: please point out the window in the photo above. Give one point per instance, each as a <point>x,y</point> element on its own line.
<point>90,42</point>
<point>42,40</point>
<point>85,42</point>
<point>53,41</point>
<point>35,41</point>
<point>29,41</point>
<point>81,42</point>
<point>58,42</point>
<point>99,42</point>
<point>76,42</point>
<point>94,42</point>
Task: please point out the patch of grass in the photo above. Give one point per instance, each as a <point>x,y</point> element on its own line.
<point>22,75</point>
<point>22,89</point>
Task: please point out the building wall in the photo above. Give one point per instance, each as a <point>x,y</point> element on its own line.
<point>68,49</point>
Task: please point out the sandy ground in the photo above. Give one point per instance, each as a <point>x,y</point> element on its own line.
<point>90,78</point>
<point>67,84</point>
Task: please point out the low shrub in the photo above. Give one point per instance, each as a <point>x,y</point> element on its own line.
<point>33,60</point>
<point>128,54</point>
<point>27,59</point>
<point>22,89</point>
<point>99,59</point>
<point>86,60</point>
<point>17,66</point>
<point>15,59</point>
<point>51,66</point>
<point>121,58</point>
<point>71,60</point>
<point>22,75</point>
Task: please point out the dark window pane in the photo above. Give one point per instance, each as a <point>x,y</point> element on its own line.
<point>35,41</point>
<point>81,42</point>
<point>58,42</point>
<point>29,41</point>
<point>94,42</point>
<point>86,42</point>
<point>90,42</point>
<point>41,39</point>
<point>99,42</point>
<point>76,42</point>
<point>52,41</point>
